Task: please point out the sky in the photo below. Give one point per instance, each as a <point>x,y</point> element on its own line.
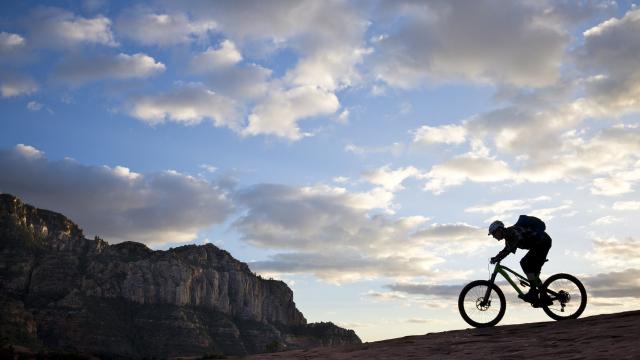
<point>357,150</point>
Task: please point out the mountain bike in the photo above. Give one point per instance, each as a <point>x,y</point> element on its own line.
<point>482,303</point>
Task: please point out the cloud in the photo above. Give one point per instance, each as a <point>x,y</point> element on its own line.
<point>396,149</point>
<point>626,205</point>
<point>122,66</point>
<point>212,59</point>
<point>530,130</point>
<point>444,134</point>
<point>614,253</point>
<point>115,202</point>
<point>280,112</point>
<point>608,59</point>
<point>606,220</point>
<point>249,81</point>
<point>504,209</point>
<point>467,167</point>
<point>446,239</point>
<point>390,179</point>
<point>16,85</point>
<point>548,145</point>
<point>149,27</point>
<point>314,218</point>
<point>617,183</point>
<point>347,267</point>
<point>614,284</point>
<point>550,213</point>
<point>331,233</point>
<point>28,151</point>
<point>326,41</point>
<point>487,41</point>
<point>34,106</point>
<point>188,104</point>
<point>54,27</point>
<point>446,291</point>
<point>222,70</point>
<point>10,42</point>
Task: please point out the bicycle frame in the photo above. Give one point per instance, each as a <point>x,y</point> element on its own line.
<point>504,271</point>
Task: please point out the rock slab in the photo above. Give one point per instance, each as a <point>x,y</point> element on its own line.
<point>611,336</point>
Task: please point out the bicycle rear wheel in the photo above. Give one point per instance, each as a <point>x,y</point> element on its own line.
<point>478,311</point>
<point>568,295</point>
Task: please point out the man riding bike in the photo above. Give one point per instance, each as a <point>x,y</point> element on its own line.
<point>532,238</point>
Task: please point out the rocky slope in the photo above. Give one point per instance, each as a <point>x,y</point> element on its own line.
<point>612,336</point>
<point>63,291</point>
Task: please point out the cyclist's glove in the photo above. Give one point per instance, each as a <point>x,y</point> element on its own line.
<point>495,259</point>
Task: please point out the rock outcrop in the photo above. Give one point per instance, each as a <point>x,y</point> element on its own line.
<point>63,291</point>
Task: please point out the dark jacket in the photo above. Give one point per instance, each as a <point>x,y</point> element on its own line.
<point>516,237</point>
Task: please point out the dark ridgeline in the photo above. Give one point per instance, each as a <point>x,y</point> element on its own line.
<point>59,290</point>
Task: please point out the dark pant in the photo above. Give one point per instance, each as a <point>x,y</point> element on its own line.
<point>532,262</point>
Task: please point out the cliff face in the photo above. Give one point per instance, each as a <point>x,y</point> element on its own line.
<point>63,291</point>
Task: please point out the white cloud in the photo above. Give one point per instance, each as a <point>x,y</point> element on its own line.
<point>208,168</point>
<point>327,40</point>
<point>608,56</point>
<point>610,186</point>
<point>503,209</point>
<point>10,42</point>
<point>54,27</point>
<point>344,267</point>
<point>506,206</point>
<point>28,151</point>
<point>548,146</point>
<point>390,179</point>
<point>34,106</point>
<point>15,85</point>
<point>448,239</point>
<point>466,167</point>
<point>114,202</point>
<point>396,149</point>
<point>444,134</point>
<point>614,253</point>
<point>210,60</point>
<point>149,27</point>
<point>222,70</point>
<point>331,233</point>
<point>550,213</point>
<point>343,118</point>
<point>121,66</point>
<point>614,285</point>
<point>606,220</point>
<point>534,131</point>
<point>189,104</point>
<point>626,205</point>
<point>446,291</point>
<point>280,112</point>
<point>487,41</point>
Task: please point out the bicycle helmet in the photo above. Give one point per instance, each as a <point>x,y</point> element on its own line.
<point>495,226</point>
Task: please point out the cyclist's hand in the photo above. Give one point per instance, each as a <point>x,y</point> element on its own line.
<point>494,260</point>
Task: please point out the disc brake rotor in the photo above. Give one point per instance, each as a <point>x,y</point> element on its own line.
<point>482,305</point>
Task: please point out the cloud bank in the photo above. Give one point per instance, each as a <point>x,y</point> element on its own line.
<point>115,202</point>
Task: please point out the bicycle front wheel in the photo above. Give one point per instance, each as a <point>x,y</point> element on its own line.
<point>477,310</point>
<point>568,296</point>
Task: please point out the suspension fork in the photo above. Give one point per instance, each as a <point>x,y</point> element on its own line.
<point>489,288</point>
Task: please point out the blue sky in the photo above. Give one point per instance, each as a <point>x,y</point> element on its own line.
<point>357,150</point>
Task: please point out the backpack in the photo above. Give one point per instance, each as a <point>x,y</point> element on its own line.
<point>531,222</point>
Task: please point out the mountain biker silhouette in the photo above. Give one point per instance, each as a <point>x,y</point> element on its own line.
<point>529,234</point>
